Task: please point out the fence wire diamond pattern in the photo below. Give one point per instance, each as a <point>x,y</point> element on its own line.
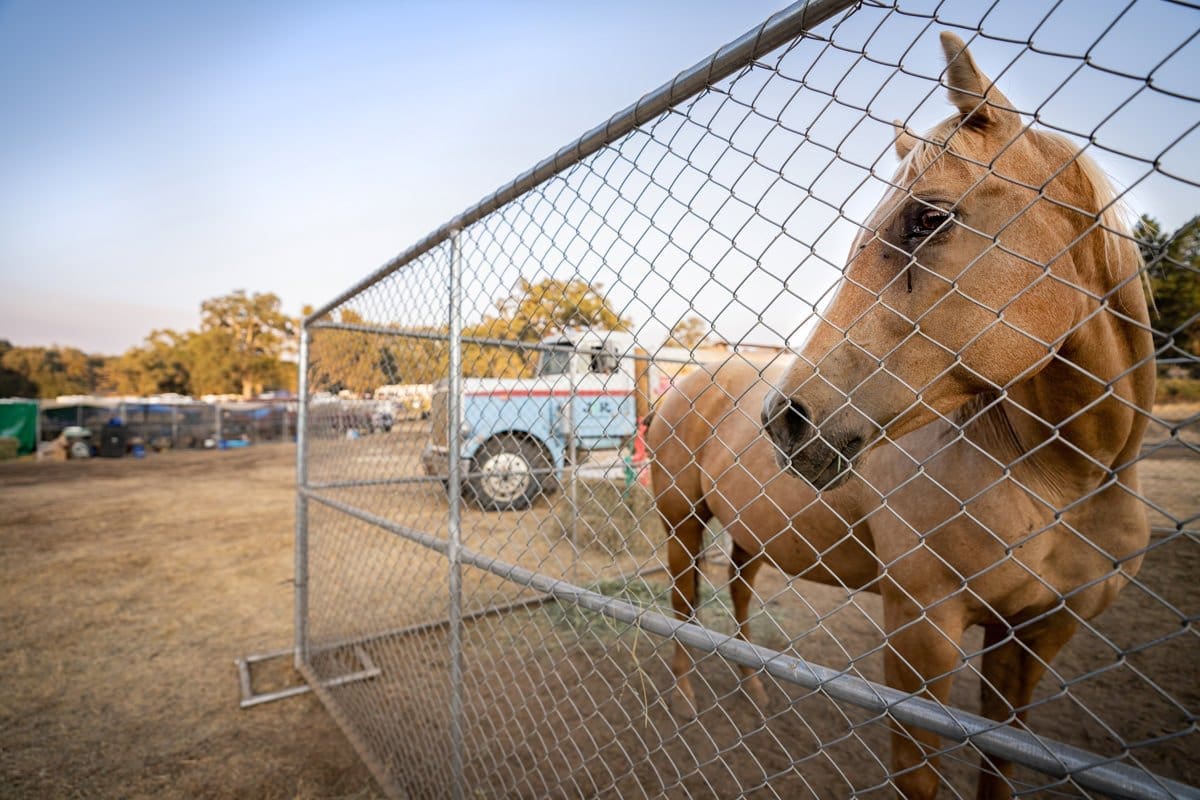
<point>791,434</point>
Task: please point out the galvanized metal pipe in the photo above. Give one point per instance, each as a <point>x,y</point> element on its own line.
<point>789,23</point>
<point>469,616</point>
<point>572,449</point>
<point>300,622</point>
<point>1047,756</point>
<point>454,545</point>
<point>362,482</point>
<point>515,344</point>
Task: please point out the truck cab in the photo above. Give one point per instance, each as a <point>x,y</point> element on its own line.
<point>519,434</point>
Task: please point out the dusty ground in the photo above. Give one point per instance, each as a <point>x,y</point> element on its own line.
<point>128,587</point>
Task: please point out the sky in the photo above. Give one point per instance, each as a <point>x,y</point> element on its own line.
<point>156,154</point>
<point>153,155</point>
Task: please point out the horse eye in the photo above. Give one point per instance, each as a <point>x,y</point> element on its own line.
<point>930,219</point>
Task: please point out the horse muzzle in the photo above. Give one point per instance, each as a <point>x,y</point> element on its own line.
<point>823,458</point>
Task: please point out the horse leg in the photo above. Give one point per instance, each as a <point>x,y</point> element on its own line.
<point>743,566</point>
<point>683,547</point>
<point>922,656</point>
<point>1012,666</point>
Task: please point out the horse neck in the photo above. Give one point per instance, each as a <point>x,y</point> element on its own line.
<point>1080,419</point>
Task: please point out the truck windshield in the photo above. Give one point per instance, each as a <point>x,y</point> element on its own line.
<point>554,362</point>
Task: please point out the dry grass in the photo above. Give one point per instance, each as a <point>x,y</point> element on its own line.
<point>127,588</point>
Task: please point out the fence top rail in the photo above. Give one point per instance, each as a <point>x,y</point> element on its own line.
<point>784,26</point>
<point>543,346</point>
<point>1050,757</point>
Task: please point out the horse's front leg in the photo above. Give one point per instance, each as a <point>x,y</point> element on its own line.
<point>743,566</point>
<point>922,657</point>
<point>1013,663</point>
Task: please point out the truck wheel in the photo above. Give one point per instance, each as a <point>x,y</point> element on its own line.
<point>508,473</point>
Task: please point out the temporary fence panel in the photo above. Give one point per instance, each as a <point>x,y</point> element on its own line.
<point>178,425</point>
<point>933,526</point>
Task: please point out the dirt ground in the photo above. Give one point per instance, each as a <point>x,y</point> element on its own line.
<point>127,589</point>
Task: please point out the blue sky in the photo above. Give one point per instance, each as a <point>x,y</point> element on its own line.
<point>156,154</point>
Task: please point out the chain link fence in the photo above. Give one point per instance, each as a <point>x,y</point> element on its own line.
<point>978,528</point>
<point>178,425</point>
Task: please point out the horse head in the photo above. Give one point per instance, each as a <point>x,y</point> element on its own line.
<point>992,246</point>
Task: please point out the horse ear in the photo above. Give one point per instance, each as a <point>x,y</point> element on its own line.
<point>972,92</point>
<point>906,140</point>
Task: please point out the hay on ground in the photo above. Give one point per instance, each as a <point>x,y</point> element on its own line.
<point>613,516</point>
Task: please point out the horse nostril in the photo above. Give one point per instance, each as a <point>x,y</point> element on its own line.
<point>786,420</point>
<point>797,420</point>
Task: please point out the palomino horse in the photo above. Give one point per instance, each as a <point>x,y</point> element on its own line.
<point>960,433</point>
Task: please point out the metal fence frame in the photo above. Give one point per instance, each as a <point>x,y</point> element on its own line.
<point>1050,757</point>
<point>176,424</point>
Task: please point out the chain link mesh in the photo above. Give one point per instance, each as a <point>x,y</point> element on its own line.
<point>675,334</point>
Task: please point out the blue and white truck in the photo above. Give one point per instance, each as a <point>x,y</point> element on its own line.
<point>588,392</point>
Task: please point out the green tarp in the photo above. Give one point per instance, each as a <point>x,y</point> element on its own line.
<point>18,419</point>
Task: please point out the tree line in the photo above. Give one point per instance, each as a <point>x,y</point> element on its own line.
<point>243,346</point>
<point>345,359</point>
<point>1173,270</point>
<point>245,343</point>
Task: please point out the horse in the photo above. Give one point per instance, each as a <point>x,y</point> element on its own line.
<point>960,431</point>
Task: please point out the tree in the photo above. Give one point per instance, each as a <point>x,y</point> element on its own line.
<point>159,365</point>
<point>531,313</point>
<point>14,383</point>
<point>536,310</point>
<point>52,371</point>
<point>362,361</point>
<point>1173,267</point>
<point>241,340</point>
<point>689,333</point>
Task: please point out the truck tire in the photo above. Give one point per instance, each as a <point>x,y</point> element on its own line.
<point>508,473</point>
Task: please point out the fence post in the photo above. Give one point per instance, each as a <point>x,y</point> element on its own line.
<point>217,406</point>
<point>565,219</point>
<point>572,448</point>
<point>301,565</point>
<point>454,551</point>
<point>174,427</point>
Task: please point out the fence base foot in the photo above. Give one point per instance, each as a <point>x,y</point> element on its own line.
<point>251,698</point>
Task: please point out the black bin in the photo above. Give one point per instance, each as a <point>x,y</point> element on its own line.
<point>112,441</point>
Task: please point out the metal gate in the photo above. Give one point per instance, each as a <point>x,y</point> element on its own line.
<point>495,561</point>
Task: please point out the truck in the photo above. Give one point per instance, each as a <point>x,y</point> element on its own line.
<point>588,391</point>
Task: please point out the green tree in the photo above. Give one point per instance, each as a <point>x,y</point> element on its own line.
<point>689,333</point>
<point>159,364</point>
<point>242,338</point>
<point>1173,266</point>
<point>532,312</point>
<point>53,371</point>
<point>362,361</point>
<point>536,310</point>
<point>14,383</point>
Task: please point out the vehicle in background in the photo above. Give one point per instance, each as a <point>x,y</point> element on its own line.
<point>588,392</point>
<point>383,416</point>
<point>406,401</point>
